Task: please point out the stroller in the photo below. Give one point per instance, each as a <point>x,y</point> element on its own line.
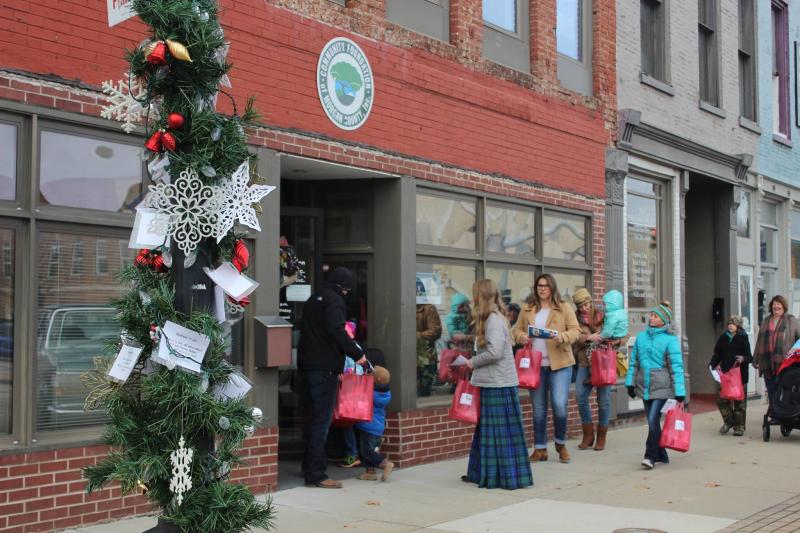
<point>785,408</point>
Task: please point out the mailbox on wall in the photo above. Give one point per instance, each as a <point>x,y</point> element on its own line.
<point>273,341</point>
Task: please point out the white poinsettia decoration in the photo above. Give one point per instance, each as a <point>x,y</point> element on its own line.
<point>237,199</point>
<point>190,209</point>
<point>124,102</point>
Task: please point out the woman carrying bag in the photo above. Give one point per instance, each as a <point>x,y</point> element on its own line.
<point>545,309</point>
<point>655,374</point>
<point>499,455</point>
<point>732,351</point>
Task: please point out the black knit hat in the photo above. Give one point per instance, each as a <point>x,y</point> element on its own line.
<point>342,278</point>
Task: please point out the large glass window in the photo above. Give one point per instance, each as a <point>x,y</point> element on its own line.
<point>514,283</point>
<point>569,28</point>
<point>8,161</point>
<point>510,231</point>
<point>7,332</point>
<point>564,236</point>
<point>72,164</point>
<point>446,221</point>
<point>707,50</point>
<point>642,209</point>
<point>76,320</point>
<point>501,13</point>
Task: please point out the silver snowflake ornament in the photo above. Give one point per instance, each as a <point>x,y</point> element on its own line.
<point>181,460</point>
<point>237,199</point>
<point>125,102</point>
<point>189,207</point>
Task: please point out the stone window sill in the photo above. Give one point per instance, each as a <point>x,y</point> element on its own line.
<point>782,139</point>
<point>749,125</point>
<point>657,84</point>
<point>711,108</point>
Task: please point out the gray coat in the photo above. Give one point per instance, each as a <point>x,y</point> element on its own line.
<point>494,364</point>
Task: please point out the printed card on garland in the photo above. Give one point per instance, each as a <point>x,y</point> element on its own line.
<point>180,346</point>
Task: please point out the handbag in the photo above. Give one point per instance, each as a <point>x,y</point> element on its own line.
<point>466,405</point>
<point>354,401</point>
<point>730,382</point>
<point>604,366</point>
<point>529,366</point>
<point>677,432</point>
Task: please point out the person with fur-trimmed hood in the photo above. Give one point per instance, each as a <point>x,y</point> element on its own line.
<point>732,350</point>
<point>655,374</point>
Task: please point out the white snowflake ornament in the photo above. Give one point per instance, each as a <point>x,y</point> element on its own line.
<point>190,209</point>
<point>181,460</point>
<point>125,102</point>
<point>237,199</point>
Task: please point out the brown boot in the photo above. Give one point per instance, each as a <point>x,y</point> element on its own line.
<point>601,438</point>
<point>539,454</point>
<point>563,454</point>
<point>588,436</point>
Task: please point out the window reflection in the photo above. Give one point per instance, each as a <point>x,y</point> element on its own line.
<point>569,35</point>
<point>514,284</point>
<point>501,13</point>
<point>568,282</point>
<point>89,173</point>
<point>7,331</point>
<point>510,231</point>
<point>564,236</point>
<point>8,161</point>
<point>642,235</point>
<point>445,221</point>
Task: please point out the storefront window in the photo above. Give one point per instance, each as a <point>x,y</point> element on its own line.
<point>75,322</point>
<point>7,331</point>
<point>71,164</point>
<point>564,236</point>
<point>444,295</point>
<point>514,284</point>
<point>444,221</point>
<point>768,241</point>
<point>510,231</point>
<point>568,282</point>
<point>642,247</point>
<point>8,161</point>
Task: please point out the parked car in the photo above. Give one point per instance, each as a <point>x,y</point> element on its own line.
<point>70,337</point>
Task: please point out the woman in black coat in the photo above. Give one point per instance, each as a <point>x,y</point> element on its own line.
<point>732,350</point>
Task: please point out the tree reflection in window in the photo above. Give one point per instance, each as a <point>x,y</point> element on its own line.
<point>564,237</point>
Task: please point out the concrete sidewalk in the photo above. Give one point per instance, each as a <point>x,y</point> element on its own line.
<point>722,480</point>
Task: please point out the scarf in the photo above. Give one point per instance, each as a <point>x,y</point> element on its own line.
<point>771,337</point>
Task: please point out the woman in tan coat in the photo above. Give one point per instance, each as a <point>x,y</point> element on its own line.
<point>545,309</point>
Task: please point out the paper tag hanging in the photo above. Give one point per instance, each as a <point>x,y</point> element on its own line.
<point>235,284</point>
<point>236,387</point>
<point>180,346</point>
<point>149,229</point>
<point>125,361</point>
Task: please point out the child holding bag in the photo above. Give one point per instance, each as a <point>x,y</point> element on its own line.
<point>370,433</point>
<point>499,455</point>
<point>732,351</point>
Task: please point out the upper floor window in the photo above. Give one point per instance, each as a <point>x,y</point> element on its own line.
<point>428,17</point>
<point>780,68</point>
<point>506,36</point>
<point>747,60</point>
<point>707,50</point>
<point>574,44</point>
<point>654,38</point>
<point>501,13</point>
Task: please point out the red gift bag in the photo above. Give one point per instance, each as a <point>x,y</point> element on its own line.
<point>448,373</point>
<point>731,387</point>
<point>466,405</point>
<point>529,366</point>
<point>604,366</point>
<point>677,432</point>
<point>354,401</point>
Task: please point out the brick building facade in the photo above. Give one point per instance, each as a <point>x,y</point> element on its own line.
<point>459,149</point>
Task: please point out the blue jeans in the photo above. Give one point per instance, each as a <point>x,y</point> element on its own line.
<point>366,447</point>
<point>554,384</point>
<point>651,449</point>
<point>350,441</point>
<point>320,390</point>
<point>582,393</point>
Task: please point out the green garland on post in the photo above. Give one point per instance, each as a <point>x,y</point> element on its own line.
<point>154,408</point>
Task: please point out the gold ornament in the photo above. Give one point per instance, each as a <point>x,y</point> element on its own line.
<point>178,51</point>
<point>142,487</point>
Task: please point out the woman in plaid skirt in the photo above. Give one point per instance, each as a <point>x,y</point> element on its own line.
<point>499,454</point>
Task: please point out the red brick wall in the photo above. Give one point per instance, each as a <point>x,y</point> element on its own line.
<point>436,101</point>
<point>42,491</point>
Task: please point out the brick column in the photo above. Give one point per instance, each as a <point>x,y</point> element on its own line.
<point>466,29</point>
<point>372,7</point>
<point>544,60</point>
<point>604,55</point>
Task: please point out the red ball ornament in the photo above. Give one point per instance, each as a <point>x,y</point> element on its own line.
<point>143,257</point>
<point>154,142</point>
<point>175,121</point>
<point>168,141</point>
<point>158,264</point>
<point>158,55</point>
<point>241,255</point>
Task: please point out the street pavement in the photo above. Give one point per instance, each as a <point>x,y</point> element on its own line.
<point>723,483</point>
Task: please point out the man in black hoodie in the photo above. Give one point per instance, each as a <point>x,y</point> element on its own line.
<point>320,359</point>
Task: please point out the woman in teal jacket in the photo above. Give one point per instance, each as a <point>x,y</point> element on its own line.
<point>655,374</point>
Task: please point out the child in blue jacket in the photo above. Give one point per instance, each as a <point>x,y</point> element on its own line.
<point>615,323</point>
<point>370,433</point>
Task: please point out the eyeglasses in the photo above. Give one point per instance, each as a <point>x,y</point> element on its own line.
<point>545,286</point>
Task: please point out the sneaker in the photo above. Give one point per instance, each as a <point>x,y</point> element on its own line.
<point>724,429</point>
<point>738,432</point>
<point>648,464</point>
<point>350,461</point>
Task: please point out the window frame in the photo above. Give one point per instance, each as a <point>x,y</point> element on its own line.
<point>418,15</point>
<point>510,49</point>
<point>782,130</point>
<point>20,406</point>
<point>747,50</point>
<point>22,183</point>
<point>659,41</point>
<point>573,74</point>
<point>708,52</point>
<point>773,227</point>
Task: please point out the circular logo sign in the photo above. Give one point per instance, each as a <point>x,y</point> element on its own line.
<point>344,82</point>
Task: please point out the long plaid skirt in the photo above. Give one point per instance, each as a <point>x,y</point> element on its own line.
<point>499,456</point>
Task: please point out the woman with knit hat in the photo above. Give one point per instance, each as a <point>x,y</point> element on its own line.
<point>590,321</point>
<point>655,374</point>
<point>732,350</point>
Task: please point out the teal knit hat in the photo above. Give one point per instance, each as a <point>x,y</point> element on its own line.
<point>664,312</point>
